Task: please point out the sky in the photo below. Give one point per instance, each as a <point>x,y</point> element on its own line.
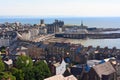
<point>82,8</point>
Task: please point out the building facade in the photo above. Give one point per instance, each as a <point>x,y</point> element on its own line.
<point>55,27</point>
<point>7,38</point>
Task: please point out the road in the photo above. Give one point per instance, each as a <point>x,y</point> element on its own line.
<point>43,38</point>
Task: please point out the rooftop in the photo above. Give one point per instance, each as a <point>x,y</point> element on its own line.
<point>61,77</point>
<point>104,69</point>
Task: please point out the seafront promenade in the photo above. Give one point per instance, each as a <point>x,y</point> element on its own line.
<point>43,38</point>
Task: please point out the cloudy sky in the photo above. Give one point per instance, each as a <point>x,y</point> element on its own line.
<point>83,8</point>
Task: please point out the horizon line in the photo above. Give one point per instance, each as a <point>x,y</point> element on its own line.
<point>52,16</point>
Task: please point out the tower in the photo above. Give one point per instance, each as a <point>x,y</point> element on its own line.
<point>81,23</point>
<point>42,21</point>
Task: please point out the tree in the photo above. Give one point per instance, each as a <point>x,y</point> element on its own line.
<point>41,70</point>
<point>17,73</point>
<point>2,66</point>
<point>29,74</point>
<point>3,48</point>
<point>24,62</point>
<point>26,65</point>
<point>7,76</point>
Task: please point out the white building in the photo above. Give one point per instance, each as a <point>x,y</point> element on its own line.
<point>28,34</point>
<point>60,67</point>
<point>34,32</point>
<point>60,30</point>
<point>43,30</point>
<point>24,35</point>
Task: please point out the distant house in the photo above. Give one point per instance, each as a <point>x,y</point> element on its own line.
<point>76,70</point>
<point>20,53</point>
<point>80,71</point>
<point>43,30</point>
<point>8,63</point>
<point>61,77</point>
<point>25,35</point>
<point>21,50</point>
<point>59,68</point>
<point>103,71</point>
<point>92,63</point>
<point>35,53</point>
<point>7,38</point>
<point>59,48</point>
<point>80,59</point>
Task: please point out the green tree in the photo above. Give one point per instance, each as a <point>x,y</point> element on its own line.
<point>41,70</point>
<point>17,73</point>
<point>7,76</point>
<point>24,62</point>
<point>26,65</point>
<point>29,74</point>
<point>3,48</point>
<point>2,66</point>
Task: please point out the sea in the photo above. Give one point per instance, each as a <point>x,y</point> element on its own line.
<point>99,22</point>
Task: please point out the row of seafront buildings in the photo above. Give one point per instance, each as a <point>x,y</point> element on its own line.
<point>10,31</point>
<point>41,29</point>
<point>31,32</point>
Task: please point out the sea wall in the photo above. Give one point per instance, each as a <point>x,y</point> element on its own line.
<point>91,36</point>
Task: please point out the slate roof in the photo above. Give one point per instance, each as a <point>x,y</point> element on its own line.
<point>104,69</point>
